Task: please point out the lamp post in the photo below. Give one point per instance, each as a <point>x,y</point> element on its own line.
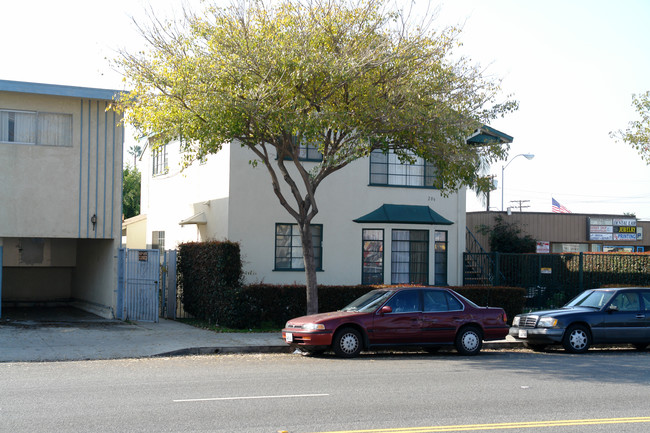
<point>528,156</point>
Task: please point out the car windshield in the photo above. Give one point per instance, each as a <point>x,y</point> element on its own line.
<point>591,298</point>
<point>369,302</point>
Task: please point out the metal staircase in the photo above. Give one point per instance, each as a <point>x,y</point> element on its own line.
<point>478,265</point>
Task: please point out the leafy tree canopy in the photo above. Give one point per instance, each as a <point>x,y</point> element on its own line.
<point>637,134</point>
<point>130,192</point>
<point>346,76</point>
<point>506,237</point>
<point>135,151</point>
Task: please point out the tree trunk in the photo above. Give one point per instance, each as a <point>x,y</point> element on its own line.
<point>310,267</point>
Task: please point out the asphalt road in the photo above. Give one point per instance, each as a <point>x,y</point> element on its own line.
<point>556,392</point>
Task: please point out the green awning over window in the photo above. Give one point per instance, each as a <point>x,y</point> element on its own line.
<point>403,214</point>
<point>487,135</point>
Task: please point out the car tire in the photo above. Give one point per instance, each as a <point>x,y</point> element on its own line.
<point>347,343</point>
<point>535,347</point>
<point>577,339</point>
<point>469,341</point>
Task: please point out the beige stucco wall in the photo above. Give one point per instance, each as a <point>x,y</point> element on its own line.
<point>169,198</point>
<point>342,197</point>
<point>240,205</point>
<point>135,232</point>
<point>55,190</point>
<point>50,194</point>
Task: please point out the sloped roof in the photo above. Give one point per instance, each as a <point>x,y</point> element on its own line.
<point>58,90</point>
<point>403,214</point>
<point>487,135</point>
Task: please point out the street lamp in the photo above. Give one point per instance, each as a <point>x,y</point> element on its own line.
<point>528,156</point>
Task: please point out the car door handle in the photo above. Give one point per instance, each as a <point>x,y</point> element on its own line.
<point>640,316</point>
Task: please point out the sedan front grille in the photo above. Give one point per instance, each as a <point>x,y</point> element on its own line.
<point>528,321</point>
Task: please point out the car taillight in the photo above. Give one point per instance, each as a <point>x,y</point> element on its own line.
<point>505,317</point>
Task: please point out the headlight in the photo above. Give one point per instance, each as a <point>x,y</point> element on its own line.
<point>547,322</point>
<point>515,321</point>
<point>313,326</point>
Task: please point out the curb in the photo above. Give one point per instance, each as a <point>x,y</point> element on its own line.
<point>225,350</point>
<point>221,350</point>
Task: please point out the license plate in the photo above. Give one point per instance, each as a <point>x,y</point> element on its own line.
<point>523,333</point>
<point>289,337</point>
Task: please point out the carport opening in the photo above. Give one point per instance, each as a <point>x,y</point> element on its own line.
<point>57,278</point>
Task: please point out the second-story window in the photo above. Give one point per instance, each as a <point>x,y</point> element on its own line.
<point>387,169</point>
<point>309,152</point>
<point>159,160</point>
<point>30,127</point>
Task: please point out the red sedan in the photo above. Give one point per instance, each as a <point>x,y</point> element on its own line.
<point>428,317</point>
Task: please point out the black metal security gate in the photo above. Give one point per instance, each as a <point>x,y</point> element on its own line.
<point>551,280</point>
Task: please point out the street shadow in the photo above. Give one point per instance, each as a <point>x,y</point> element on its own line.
<point>52,317</point>
<point>599,365</point>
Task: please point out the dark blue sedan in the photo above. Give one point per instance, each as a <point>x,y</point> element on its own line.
<point>599,316</point>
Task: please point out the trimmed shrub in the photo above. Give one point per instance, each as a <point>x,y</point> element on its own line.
<point>511,299</point>
<point>210,277</point>
<point>275,304</point>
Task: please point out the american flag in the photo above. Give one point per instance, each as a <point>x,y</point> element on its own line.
<point>557,207</point>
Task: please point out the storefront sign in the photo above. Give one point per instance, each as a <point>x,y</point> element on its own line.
<point>612,229</point>
<point>601,229</point>
<point>624,222</point>
<point>600,236</point>
<point>600,221</point>
<point>570,248</point>
<point>543,247</point>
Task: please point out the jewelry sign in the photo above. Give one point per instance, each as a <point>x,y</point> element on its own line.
<point>611,229</point>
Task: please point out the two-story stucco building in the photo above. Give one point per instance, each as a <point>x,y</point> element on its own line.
<point>379,221</point>
<point>60,212</point>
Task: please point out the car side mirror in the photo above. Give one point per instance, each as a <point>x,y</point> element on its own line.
<point>612,308</point>
<point>385,310</point>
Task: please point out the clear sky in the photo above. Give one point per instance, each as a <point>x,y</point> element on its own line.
<point>573,65</point>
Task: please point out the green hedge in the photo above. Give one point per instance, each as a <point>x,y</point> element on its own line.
<point>273,305</point>
<point>210,278</point>
<point>511,299</point>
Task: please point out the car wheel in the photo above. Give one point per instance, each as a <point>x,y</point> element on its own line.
<point>577,339</point>
<point>640,346</point>
<point>469,341</point>
<point>347,343</point>
<point>535,347</point>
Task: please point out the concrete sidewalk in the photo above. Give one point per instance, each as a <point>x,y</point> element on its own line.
<point>83,336</point>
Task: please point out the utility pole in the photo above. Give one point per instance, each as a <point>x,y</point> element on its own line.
<point>520,204</point>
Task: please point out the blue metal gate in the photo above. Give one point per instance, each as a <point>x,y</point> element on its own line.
<point>0,280</point>
<point>137,296</point>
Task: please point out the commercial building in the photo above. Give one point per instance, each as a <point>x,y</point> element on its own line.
<point>569,232</point>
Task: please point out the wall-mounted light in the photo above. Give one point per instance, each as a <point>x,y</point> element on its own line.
<point>93,220</point>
